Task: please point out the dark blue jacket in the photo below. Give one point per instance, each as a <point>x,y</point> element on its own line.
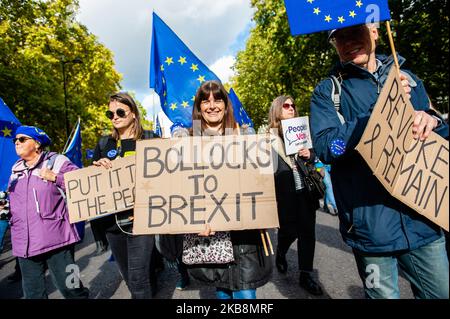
<point>371,220</point>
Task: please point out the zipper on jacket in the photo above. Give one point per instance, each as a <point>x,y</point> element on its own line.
<point>36,201</point>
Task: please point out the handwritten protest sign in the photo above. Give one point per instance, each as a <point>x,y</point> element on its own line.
<point>413,171</point>
<point>95,191</point>
<point>225,181</point>
<point>296,134</point>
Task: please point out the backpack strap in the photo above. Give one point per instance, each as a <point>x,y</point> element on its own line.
<point>50,163</point>
<point>336,96</point>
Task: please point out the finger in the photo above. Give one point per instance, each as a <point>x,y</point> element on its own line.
<point>421,129</point>
<point>428,129</point>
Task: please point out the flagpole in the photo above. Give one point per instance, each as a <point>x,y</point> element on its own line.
<point>391,41</point>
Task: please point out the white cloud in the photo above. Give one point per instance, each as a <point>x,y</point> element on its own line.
<point>222,68</point>
<point>209,28</point>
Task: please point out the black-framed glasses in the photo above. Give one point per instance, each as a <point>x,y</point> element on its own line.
<point>286,106</point>
<point>21,139</point>
<point>120,113</point>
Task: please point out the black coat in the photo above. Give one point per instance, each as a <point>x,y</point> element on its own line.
<point>251,267</point>
<point>290,202</point>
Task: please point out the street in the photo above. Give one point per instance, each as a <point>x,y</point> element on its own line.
<point>334,266</point>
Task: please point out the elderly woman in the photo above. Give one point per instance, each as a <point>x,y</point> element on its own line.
<point>40,230</point>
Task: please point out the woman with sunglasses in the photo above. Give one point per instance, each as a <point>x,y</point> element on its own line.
<point>133,253</point>
<point>213,115</point>
<point>42,236</point>
<point>296,210</point>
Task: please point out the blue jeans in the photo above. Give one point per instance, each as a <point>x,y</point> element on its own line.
<point>222,293</point>
<point>62,269</point>
<point>426,268</point>
<point>3,227</point>
<point>329,195</point>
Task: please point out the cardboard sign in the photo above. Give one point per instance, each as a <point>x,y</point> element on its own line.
<point>94,192</point>
<point>413,171</point>
<point>225,181</point>
<point>296,134</point>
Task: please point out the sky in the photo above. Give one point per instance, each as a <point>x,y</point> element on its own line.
<point>214,30</point>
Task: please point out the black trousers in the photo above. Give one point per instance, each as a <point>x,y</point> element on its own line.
<point>133,254</point>
<point>303,228</point>
<point>63,270</point>
<point>99,232</point>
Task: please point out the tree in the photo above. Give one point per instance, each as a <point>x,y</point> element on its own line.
<point>35,37</point>
<point>275,63</point>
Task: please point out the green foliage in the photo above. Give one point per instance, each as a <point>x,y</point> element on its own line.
<point>35,37</point>
<point>275,63</point>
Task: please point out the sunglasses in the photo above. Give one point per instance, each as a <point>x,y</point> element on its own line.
<point>21,139</point>
<point>119,112</point>
<point>286,106</point>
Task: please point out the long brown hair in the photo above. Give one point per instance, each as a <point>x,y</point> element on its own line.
<point>275,113</point>
<point>125,98</point>
<point>219,92</point>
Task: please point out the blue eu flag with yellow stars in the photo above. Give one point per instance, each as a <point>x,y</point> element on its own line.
<point>73,151</point>
<point>240,114</point>
<point>8,125</point>
<point>158,130</point>
<point>309,16</point>
<point>175,73</point>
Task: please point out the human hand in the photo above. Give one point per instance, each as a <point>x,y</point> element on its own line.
<point>405,84</point>
<point>423,125</point>
<point>106,163</point>
<point>47,174</point>
<point>207,232</point>
<point>305,153</point>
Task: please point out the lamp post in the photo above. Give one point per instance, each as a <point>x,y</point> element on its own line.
<point>63,64</point>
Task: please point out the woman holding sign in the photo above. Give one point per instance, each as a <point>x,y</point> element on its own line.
<point>41,234</point>
<point>296,209</point>
<point>243,266</point>
<point>133,253</point>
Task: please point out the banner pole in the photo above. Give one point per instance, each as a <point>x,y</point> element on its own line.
<point>391,41</point>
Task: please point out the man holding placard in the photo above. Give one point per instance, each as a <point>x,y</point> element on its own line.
<point>382,230</point>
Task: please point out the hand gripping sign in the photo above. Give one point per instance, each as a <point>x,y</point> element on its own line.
<point>413,171</point>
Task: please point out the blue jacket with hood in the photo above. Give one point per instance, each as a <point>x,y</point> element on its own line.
<point>371,220</point>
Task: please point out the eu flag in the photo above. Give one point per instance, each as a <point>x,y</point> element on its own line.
<point>175,73</point>
<point>158,130</point>
<point>240,114</point>
<point>73,151</point>
<point>309,16</point>
<point>8,125</point>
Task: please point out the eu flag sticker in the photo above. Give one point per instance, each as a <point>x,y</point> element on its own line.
<point>112,153</point>
<point>337,147</point>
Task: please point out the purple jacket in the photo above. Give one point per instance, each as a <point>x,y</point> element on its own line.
<point>39,216</point>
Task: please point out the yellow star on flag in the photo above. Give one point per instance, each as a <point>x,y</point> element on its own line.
<point>182,60</point>
<point>185,104</point>
<point>194,67</point>
<point>201,78</point>
<point>162,67</point>
<point>341,19</point>
<point>317,11</point>
<point>173,106</point>
<point>328,18</point>
<point>352,14</point>
<point>6,132</point>
<point>169,61</point>
<point>193,98</point>
<point>359,4</point>
<point>310,1</point>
